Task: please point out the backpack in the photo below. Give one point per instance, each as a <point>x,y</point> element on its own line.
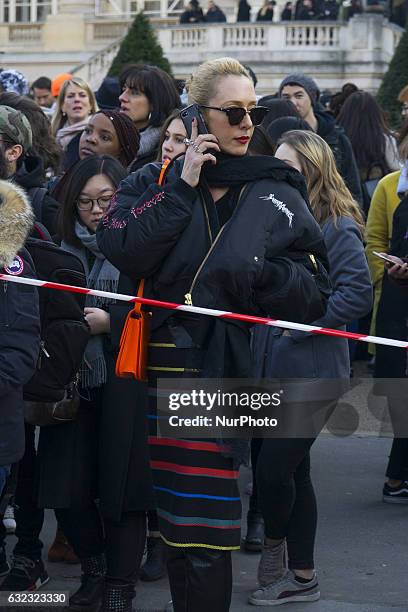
<point>369,185</point>
<point>64,331</point>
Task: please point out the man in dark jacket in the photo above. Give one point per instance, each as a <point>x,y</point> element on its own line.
<point>303,92</point>
<point>193,13</point>
<point>214,13</point>
<point>25,169</point>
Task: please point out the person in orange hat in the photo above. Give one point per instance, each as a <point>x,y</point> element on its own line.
<point>58,81</point>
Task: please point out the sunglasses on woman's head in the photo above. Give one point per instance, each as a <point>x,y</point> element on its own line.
<point>236,114</point>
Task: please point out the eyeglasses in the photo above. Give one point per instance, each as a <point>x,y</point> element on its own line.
<point>87,204</point>
<point>236,114</point>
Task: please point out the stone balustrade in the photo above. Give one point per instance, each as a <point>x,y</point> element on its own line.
<point>98,64</point>
<point>332,52</point>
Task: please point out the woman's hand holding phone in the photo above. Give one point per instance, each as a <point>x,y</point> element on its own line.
<point>197,154</point>
<point>395,266</point>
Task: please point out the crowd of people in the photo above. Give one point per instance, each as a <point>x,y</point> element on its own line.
<point>273,210</point>
<point>301,10</point>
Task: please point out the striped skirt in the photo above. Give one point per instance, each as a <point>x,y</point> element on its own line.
<point>198,501</point>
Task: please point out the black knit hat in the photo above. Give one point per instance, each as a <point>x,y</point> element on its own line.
<point>108,94</point>
<point>308,84</point>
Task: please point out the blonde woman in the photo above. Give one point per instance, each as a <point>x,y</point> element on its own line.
<point>284,487</point>
<point>163,234</point>
<point>76,103</point>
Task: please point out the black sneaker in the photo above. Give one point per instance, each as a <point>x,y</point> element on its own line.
<point>396,495</point>
<point>4,564</point>
<point>25,575</point>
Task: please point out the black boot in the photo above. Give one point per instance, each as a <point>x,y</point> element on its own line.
<point>154,567</point>
<point>255,532</point>
<point>89,594</point>
<point>117,598</point>
<point>200,579</point>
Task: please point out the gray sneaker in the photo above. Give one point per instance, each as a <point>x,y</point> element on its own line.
<point>284,590</point>
<point>272,564</point>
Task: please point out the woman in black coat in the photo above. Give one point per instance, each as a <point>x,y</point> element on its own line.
<point>103,455</point>
<point>213,235</point>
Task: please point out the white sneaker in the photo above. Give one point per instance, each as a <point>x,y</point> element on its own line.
<point>9,521</point>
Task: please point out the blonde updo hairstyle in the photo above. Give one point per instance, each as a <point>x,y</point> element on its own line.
<point>58,121</point>
<point>202,85</point>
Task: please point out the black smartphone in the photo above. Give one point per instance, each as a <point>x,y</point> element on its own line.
<point>188,114</point>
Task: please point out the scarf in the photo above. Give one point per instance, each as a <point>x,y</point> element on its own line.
<point>68,132</point>
<point>403,182</point>
<point>101,276</point>
<point>149,140</point>
<point>230,171</point>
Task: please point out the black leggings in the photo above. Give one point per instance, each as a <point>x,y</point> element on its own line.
<point>122,541</point>
<point>286,496</point>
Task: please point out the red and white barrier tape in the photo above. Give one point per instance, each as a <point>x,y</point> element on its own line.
<point>208,311</point>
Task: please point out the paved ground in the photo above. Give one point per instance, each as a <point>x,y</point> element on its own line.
<point>362,543</point>
<point>361,546</point>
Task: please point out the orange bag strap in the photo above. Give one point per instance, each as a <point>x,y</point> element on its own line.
<point>163,171</point>
<point>138,306</point>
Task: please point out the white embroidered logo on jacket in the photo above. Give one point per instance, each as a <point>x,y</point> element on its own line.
<point>280,206</point>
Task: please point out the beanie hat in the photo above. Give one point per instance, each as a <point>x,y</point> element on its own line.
<point>308,84</point>
<point>16,127</point>
<point>108,94</point>
<point>12,80</point>
<point>58,81</point>
<point>280,126</point>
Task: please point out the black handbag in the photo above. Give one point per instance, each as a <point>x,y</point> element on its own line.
<point>53,413</point>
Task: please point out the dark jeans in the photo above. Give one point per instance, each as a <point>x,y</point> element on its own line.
<point>29,518</point>
<point>122,541</point>
<point>397,468</point>
<point>200,579</point>
<point>286,497</point>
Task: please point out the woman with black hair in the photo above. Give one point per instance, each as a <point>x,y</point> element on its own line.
<point>103,454</point>
<point>110,132</point>
<point>148,96</point>
<point>374,147</point>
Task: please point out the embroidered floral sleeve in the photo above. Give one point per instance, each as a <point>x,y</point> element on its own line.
<point>143,222</point>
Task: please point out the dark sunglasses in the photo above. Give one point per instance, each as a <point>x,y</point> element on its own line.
<point>236,114</point>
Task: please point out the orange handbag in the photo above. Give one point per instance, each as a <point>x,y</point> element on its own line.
<point>132,358</point>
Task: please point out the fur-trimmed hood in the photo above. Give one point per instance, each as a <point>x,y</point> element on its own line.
<point>16,220</point>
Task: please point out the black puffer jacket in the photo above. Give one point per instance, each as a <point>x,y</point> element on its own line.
<point>339,143</point>
<point>19,321</point>
<point>163,234</point>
